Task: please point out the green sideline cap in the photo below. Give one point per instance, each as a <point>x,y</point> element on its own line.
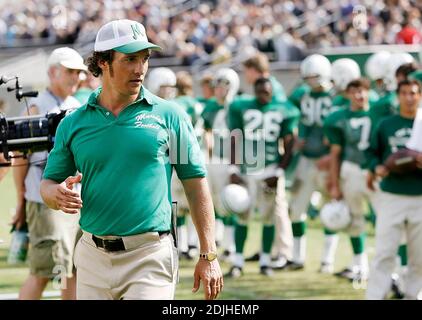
<point>125,36</point>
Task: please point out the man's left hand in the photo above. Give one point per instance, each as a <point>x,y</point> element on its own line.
<point>212,278</point>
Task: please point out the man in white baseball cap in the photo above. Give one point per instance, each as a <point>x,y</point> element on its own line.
<point>123,141</point>
<point>53,233</point>
<point>68,58</point>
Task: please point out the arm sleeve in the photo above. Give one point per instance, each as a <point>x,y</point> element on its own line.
<point>60,161</point>
<point>189,162</point>
<point>290,125</point>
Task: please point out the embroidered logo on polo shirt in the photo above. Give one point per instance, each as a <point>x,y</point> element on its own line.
<point>148,121</point>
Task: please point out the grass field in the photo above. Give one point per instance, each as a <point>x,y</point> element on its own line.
<point>306,284</point>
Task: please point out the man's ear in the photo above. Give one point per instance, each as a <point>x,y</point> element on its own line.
<point>53,72</point>
<point>103,65</point>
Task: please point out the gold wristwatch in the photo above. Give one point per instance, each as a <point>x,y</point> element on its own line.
<point>209,256</point>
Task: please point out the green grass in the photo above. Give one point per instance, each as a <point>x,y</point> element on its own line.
<point>306,284</point>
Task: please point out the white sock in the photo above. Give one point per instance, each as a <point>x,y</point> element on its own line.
<point>228,240</point>
<point>219,230</point>
<point>360,262</point>
<point>182,234</point>
<point>192,235</point>
<point>299,249</point>
<point>264,259</point>
<point>238,260</point>
<point>330,247</point>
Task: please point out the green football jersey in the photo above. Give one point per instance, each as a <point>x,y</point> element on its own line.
<point>341,101</point>
<point>392,134</point>
<point>262,126</point>
<point>214,118</point>
<point>387,105</point>
<point>279,95</point>
<point>314,108</point>
<point>192,107</point>
<point>351,130</point>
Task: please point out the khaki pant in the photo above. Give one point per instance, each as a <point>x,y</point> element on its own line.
<point>146,270</point>
<point>52,239</point>
<point>272,208</point>
<point>308,179</point>
<point>396,215</point>
<point>356,195</point>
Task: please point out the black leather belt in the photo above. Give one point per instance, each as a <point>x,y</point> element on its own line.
<point>113,245</point>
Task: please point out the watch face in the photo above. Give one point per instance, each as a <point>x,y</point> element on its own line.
<point>211,256</point>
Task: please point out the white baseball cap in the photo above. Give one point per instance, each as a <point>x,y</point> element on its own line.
<point>67,57</point>
<point>125,36</point>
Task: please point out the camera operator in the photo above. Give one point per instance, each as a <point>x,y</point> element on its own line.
<point>52,233</point>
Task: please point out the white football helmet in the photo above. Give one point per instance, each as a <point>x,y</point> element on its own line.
<point>235,199</point>
<point>344,71</point>
<point>394,62</point>
<point>335,215</point>
<point>161,77</point>
<point>319,67</point>
<point>376,64</point>
<point>232,78</point>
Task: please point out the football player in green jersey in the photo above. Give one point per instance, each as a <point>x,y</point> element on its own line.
<point>314,103</point>
<point>217,143</point>
<point>257,67</point>
<point>388,102</point>
<point>184,97</point>
<point>348,131</point>
<point>261,124</point>
<point>399,203</point>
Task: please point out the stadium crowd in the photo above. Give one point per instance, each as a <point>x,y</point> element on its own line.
<point>194,30</point>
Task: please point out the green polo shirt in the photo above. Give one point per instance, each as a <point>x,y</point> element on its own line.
<point>126,162</point>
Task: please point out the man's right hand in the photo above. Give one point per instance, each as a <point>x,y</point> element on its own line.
<point>64,198</point>
<point>19,218</point>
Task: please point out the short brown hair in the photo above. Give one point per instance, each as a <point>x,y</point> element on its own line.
<point>409,82</point>
<point>359,83</point>
<point>206,80</point>
<point>184,83</point>
<point>259,62</point>
<point>406,69</point>
<point>96,57</point>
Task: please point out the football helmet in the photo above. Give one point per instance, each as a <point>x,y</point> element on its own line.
<point>162,77</point>
<point>335,215</point>
<point>235,199</point>
<point>375,66</point>
<point>394,62</point>
<point>316,71</point>
<point>230,78</point>
<point>344,71</point>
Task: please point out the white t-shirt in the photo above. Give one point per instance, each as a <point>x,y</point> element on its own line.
<point>46,102</point>
<point>415,141</point>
